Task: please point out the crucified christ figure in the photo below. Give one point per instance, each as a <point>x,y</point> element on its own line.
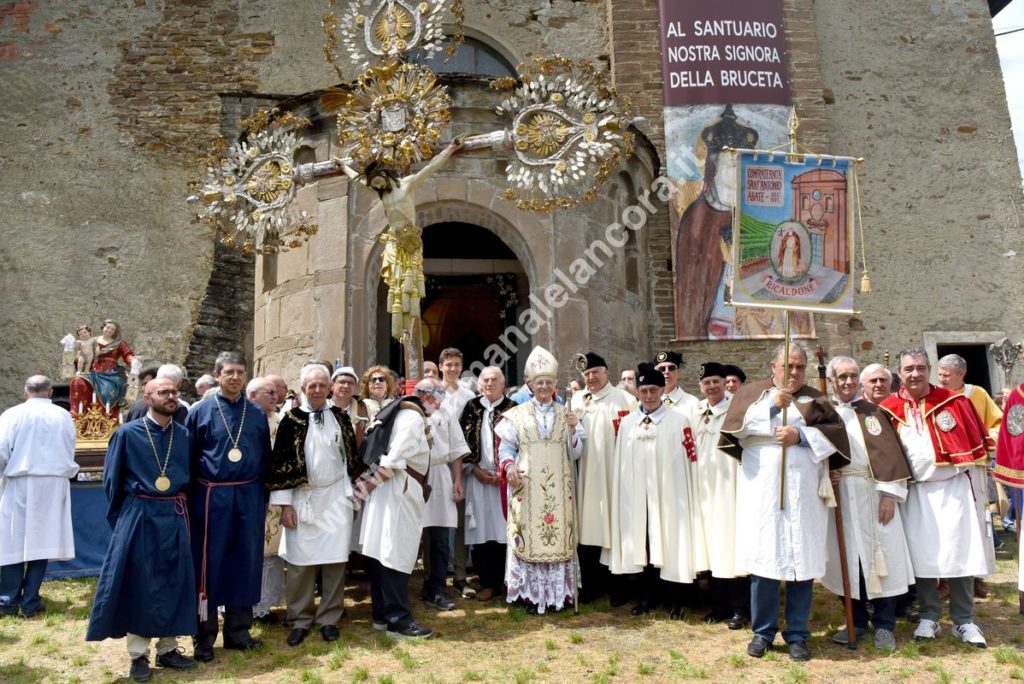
<point>402,262</point>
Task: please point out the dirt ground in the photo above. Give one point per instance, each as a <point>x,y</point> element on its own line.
<point>493,642</point>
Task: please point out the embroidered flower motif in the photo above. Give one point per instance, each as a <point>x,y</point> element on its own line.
<point>549,518</point>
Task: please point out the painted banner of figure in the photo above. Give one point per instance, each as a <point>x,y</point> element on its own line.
<point>793,232</point>
<point>704,173</point>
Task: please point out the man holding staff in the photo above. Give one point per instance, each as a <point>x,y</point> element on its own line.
<point>784,433</point>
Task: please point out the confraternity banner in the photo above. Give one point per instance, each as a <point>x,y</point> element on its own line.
<point>793,232</point>
<point>726,86</point>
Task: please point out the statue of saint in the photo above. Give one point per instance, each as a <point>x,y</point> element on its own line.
<point>105,380</point>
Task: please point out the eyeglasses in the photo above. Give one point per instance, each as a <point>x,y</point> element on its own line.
<point>667,367</point>
<point>166,393</point>
<point>341,381</point>
<point>378,378</point>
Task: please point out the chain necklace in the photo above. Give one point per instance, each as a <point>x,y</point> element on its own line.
<point>234,454</point>
<point>162,483</point>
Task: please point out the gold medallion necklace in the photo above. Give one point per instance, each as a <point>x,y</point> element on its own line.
<point>234,453</point>
<point>162,482</point>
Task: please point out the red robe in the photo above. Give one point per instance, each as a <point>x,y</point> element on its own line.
<point>958,436</point>
<point>1010,447</point>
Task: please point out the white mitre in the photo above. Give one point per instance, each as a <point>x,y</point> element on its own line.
<point>540,362</point>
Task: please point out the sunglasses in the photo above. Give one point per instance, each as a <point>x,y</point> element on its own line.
<point>378,378</point>
<point>667,367</point>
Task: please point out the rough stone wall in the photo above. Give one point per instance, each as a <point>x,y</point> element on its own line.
<point>916,89</point>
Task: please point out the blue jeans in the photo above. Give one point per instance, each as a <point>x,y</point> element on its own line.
<point>19,586</point>
<point>764,608</point>
<point>437,561</point>
<point>884,616</point>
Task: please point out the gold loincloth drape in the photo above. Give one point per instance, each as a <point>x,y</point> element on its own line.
<point>402,269</point>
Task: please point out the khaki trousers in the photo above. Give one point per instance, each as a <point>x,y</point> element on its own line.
<point>299,584</point>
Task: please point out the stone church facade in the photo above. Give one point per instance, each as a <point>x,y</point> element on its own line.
<point>97,158</point>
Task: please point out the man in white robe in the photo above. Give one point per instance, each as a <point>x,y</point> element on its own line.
<point>37,457</point>
<point>600,407</point>
<point>782,508</point>
<point>871,486</point>
<point>311,466</point>
<point>485,516</point>
<point>651,510</point>
<point>714,477</point>
<point>440,516</point>
<point>947,445</point>
<point>397,450</point>
<point>457,395</point>
<point>669,364</point>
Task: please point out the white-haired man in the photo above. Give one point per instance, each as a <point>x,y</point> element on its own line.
<point>871,486</point>
<point>167,371</point>
<point>876,381</point>
<point>37,456</point>
<point>787,435</point>
<point>485,517</point>
<point>263,392</point>
<point>309,476</point>
<point>440,516</point>
<point>946,443</point>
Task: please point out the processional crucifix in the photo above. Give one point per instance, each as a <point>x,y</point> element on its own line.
<point>566,133</point>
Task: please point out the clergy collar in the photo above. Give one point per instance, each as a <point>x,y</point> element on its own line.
<point>232,402</point>
<point>543,407</point>
<point>599,394</point>
<point>658,414</point>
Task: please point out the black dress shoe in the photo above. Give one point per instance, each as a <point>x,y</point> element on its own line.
<point>249,644</point>
<point>203,654</point>
<point>738,621</point>
<point>675,613</point>
<point>140,669</point>
<point>758,646</point>
<point>175,660</point>
<point>642,608</point>
<point>330,633</point>
<point>297,636</point>
<point>798,650</point>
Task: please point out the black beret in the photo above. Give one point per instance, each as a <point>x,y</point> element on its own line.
<point>709,368</point>
<point>669,357</point>
<point>731,369</point>
<point>594,361</point>
<point>647,374</point>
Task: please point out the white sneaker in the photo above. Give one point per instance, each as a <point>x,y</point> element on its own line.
<point>970,634</point>
<point>927,629</point>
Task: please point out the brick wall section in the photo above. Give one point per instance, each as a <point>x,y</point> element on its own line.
<point>166,87</point>
<point>635,61</point>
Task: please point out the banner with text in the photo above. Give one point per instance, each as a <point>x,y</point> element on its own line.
<point>793,233</point>
<point>726,85</point>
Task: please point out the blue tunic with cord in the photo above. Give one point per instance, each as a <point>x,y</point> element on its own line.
<point>227,501</point>
<point>147,582</point>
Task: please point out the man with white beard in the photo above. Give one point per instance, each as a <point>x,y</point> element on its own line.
<point>871,486</point>
<point>714,485</point>
<point>601,406</point>
<point>650,505</point>
<point>947,445</point>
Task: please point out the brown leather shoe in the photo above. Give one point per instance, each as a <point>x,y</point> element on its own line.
<point>943,590</point>
<point>981,589</point>
<point>485,594</point>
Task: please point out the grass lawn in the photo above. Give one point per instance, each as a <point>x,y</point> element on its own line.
<point>490,642</point>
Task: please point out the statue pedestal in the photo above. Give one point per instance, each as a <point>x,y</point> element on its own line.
<point>94,428</point>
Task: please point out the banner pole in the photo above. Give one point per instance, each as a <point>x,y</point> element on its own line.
<point>785,383</point>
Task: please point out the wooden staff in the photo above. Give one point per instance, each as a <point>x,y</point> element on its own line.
<point>844,569</point>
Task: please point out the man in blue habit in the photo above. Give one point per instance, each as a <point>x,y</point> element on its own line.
<point>147,584</point>
<point>230,445</point>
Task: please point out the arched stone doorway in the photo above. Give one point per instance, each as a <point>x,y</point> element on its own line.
<point>475,288</point>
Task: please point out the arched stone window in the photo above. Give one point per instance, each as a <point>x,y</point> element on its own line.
<point>474,57</point>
